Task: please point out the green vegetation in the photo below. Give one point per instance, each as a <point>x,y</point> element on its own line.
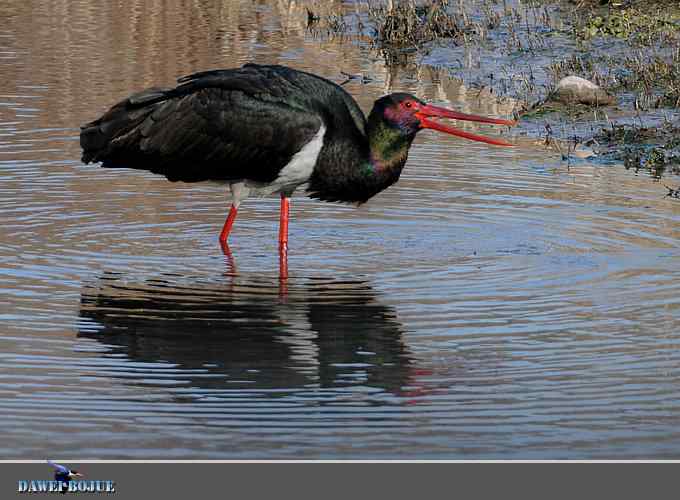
<point>632,24</point>
<point>652,149</point>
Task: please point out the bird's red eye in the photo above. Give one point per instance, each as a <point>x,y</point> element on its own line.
<point>408,104</point>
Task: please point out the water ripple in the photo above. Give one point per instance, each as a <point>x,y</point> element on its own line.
<point>495,303</point>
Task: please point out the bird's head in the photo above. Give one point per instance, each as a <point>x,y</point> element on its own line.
<point>409,114</point>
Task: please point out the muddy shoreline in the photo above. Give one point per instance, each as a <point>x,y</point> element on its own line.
<point>515,53</point>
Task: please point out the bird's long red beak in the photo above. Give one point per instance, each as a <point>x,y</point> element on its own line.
<point>427,111</point>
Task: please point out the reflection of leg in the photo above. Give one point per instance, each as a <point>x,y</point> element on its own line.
<point>283,289</point>
<point>283,237</point>
<point>226,229</point>
<point>229,258</point>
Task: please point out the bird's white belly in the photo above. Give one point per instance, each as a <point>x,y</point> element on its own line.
<point>297,172</point>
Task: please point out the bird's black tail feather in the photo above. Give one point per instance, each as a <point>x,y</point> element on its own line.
<point>118,127</point>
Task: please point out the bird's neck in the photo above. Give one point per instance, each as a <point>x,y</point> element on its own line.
<point>356,170</point>
<point>388,148</point>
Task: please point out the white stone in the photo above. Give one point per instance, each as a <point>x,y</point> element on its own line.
<point>571,89</point>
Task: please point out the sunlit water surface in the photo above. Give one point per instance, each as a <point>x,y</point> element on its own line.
<point>495,303</point>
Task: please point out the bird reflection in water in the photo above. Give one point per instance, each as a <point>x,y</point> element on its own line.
<point>243,334</point>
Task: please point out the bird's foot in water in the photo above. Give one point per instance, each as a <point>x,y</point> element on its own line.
<point>283,261</point>
<point>228,259</point>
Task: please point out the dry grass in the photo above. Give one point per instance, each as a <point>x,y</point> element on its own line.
<point>404,24</point>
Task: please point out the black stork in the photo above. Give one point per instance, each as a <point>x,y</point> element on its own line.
<point>264,130</point>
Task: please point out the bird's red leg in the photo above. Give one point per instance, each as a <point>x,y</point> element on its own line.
<point>283,237</point>
<point>227,224</point>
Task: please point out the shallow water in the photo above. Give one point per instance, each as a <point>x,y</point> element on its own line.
<point>495,303</point>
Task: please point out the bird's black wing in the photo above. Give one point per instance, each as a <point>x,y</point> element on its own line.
<point>275,83</point>
<point>226,125</point>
